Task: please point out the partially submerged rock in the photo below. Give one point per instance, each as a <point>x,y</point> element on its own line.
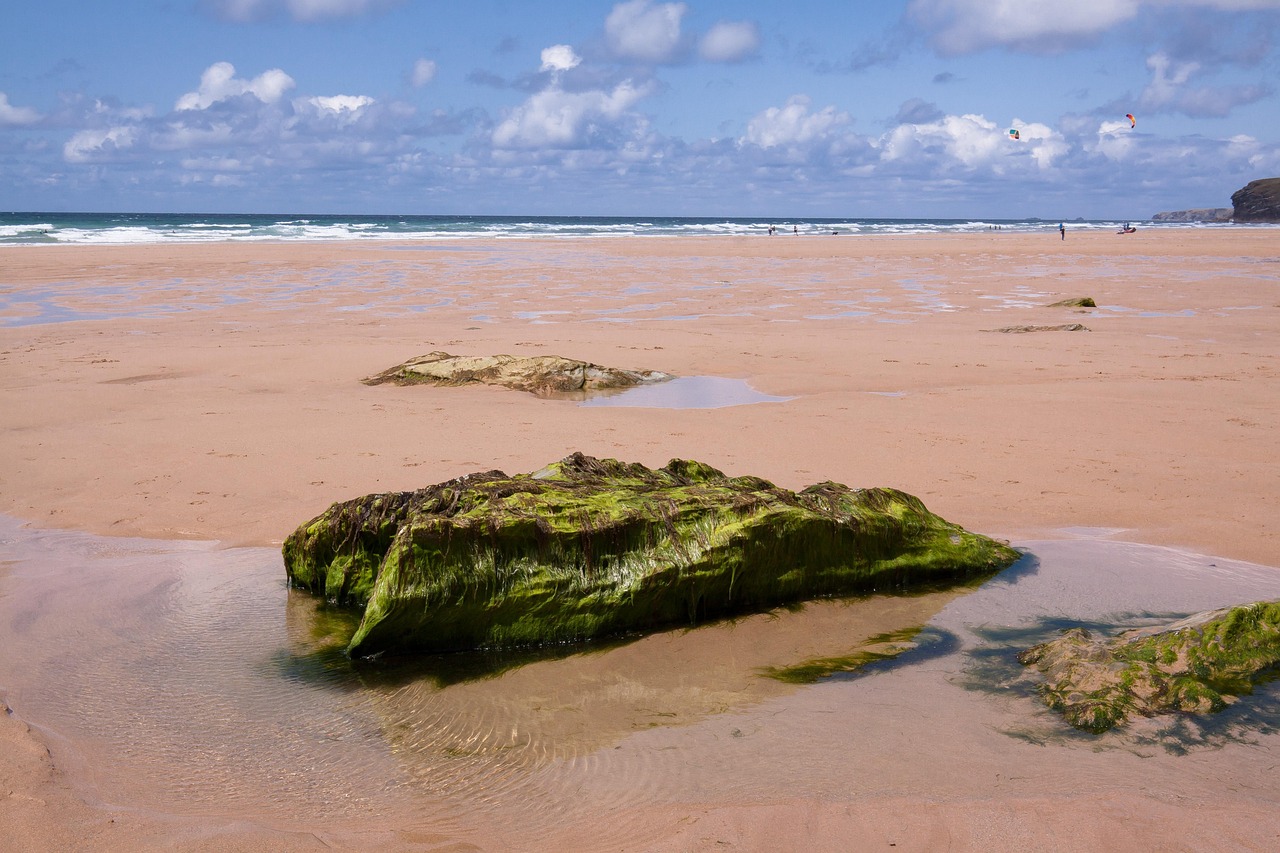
<point>1196,665</point>
<point>1075,302</point>
<point>588,548</point>
<point>538,374</point>
<point>1065,327</point>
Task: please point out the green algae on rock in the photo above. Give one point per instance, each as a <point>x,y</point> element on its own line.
<point>588,548</point>
<point>1196,665</point>
<point>544,375</point>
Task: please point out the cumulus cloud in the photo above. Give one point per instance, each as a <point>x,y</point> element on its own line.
<point>965,26</point>
<point>730,42</point>
<point>97,144</point>
<point>218,82</point>
<point>11,116</point>
<point>307,11</point>
<point>974,143</point>
<point>424,71</point>
<point>1042,26</point>
<point>557,119</point>
<point>645,31</point>
<point>559,57</point>
<point>793,124</point>
<point>340,103</point>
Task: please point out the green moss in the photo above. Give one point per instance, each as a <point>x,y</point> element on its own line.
<point>1192,667</point>
<point>588,548</point>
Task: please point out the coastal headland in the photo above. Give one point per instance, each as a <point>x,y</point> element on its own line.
<point>213,392</point>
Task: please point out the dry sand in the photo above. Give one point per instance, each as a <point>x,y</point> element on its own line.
<point>212,392</point>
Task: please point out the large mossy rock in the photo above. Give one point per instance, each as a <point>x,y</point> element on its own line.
<point>1195,665</point>
<point>1257,201</point>
<point>588,548</point>
<point>538,374</point>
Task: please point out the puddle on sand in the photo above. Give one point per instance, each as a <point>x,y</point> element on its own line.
<point>179,678</point>
<point>685,392</point>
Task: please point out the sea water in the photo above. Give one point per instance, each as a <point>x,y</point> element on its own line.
<point>39,228</point>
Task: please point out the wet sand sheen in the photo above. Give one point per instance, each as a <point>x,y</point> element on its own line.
<point>184,679</point>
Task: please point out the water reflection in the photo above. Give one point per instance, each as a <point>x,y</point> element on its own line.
<point>685,392</point>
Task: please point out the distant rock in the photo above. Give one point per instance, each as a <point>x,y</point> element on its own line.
<point>1065,327</point>
<point>1075,302</point>
<point>1195,214</point>
<point>539,374</point>
<point>588,548</point>
<point>1197,665</point>
<point>1258,201</point>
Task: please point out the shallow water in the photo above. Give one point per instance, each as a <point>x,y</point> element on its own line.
<point>186,679</point>
<point>685,392</point>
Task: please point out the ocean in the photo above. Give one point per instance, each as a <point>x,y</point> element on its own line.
<point>125,228</point>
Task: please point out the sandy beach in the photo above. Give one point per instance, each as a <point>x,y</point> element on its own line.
<point>212,393</point>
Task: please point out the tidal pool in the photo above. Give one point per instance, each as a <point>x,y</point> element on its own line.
<point>185,679</point>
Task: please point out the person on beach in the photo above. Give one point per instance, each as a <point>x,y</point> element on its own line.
<point>1062,229</point>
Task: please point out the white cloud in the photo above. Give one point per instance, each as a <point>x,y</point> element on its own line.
<point>793,124</point>
<point>730,42</point>
<point>340,103</point>
<point>1169,90</point>
<point>640,29</point>
<point>1167,78</point>
<point>11,116</point>
<point>559,57</point>
<point>1113,141</point>
<point>558,119</point>
<point>424,71</point>
<point>963,26</point>
<point>972,142</point>
<point>218,82</point>
<point>89,145</point>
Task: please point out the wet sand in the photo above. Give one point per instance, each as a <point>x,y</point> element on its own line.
<point>212,393</point>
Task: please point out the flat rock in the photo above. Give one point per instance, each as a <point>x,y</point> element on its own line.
<point>589,548</point>
<point>1196,665</point>
<point>1075,302</point>
<point>1065,327</point>
<point>544,375</point>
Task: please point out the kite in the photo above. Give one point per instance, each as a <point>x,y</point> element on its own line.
<point>1133,122</point>
<point>1013,133</point>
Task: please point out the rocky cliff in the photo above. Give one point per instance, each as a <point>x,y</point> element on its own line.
<point>1258,201</point>
<point>1197,214</point>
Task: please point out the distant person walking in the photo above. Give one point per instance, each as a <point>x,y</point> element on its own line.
<point>1062,229</point>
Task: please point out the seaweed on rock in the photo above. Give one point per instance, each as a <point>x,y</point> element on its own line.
<point>588,548</point>
<point>1196,665</point>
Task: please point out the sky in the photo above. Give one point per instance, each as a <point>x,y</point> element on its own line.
<point>841,108</point>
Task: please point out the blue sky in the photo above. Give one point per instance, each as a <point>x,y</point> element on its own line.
<point>857,108</point>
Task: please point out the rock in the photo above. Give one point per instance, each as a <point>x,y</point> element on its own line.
<point>1258,201</point>
<point>588,548</point>
<point>1077,302</point>
<point>1196,665</point>
<point>1065,327</point>
<point>1196,214</point>
<point>538,374</point>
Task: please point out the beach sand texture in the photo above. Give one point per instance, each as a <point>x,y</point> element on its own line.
<point>212,392</point>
